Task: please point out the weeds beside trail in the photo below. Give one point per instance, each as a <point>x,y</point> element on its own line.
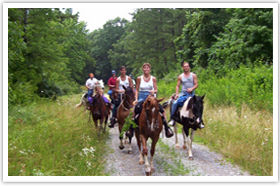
<point>54,138</point>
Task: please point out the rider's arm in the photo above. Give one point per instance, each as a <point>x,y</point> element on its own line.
<point>87,85</point>
<point>138,80</point>
<point>130,82</point>
<point>117,85</point>
<point>178,87</point>
<point>155,86</point>
<point>195,82</point>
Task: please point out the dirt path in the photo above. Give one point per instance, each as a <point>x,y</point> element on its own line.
<point>168,161</point>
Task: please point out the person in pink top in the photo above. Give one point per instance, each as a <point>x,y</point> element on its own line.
<point>112,83</point>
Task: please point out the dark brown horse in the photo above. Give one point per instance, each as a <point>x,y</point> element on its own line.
<point>150,126</point>
<point>122,113</point>
<point>99,111</point>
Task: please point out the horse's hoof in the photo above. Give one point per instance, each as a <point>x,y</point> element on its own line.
<point>184,147</point>
<point>130,152</point>
<point>191,158</point>
<point>141,162</point>
<point>148,173</point>
<point>121,147</point>
<point>177,146</point>
<point>152,169</point>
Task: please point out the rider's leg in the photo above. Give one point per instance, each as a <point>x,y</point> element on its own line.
<point>168,131</point>
<point>173,110</point>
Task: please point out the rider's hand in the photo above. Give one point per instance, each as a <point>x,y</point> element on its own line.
<point>135,102</point>
<point>152,92</point>
<point>189,90</point>
<point>176,96</point>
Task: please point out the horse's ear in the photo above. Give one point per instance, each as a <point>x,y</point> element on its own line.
<point>203,97</point>
<point>159,100</point>
<point>124,87</point>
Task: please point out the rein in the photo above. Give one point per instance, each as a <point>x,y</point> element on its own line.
<point>123,102</point>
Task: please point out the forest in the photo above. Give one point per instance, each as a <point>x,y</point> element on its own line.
<point>51,53</point>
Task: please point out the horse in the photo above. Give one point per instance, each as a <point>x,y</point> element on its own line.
<point>123,111</point>
<point>99,111</point>
<point>150,126</point>
<point>190,116</point>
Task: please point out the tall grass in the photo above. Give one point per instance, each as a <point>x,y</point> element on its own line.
<point>245,138</point>
<point>54,138</point>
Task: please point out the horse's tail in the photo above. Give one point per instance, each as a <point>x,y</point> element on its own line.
<point>79,105</point>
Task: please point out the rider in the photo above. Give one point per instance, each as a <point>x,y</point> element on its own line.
<point>147,85</point>
<point>189,83</point>
<point>123,80</point>
<point>90,84</point>
<point>112,82</point>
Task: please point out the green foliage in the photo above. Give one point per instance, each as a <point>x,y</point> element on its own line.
<point>250,86</point>
<point>46,54</point>
<point>247,38</point>
<point>199,34</point>
<point>128,122</point>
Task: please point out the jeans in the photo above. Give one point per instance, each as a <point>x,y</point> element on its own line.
<point>175,103</point>
<point>143,95</point>
<point>89,93</point>
<point>110,92</point>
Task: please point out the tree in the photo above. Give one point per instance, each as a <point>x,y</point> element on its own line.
<point>247,39</point>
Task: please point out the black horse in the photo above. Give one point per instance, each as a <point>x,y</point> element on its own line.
<point>190,116</point>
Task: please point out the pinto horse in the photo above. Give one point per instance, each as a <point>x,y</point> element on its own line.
<point>122,113</point>
<point>190,116</point>
<point>99,111</point>
<point>150,126</point>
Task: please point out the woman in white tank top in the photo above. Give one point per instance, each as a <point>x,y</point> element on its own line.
<point>123,80</point>
<point>147,85</point>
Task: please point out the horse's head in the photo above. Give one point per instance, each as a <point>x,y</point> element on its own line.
<point>128,96</point>
<point>196,104</point>
<point>151,107</point>
<point>97,102</point>
<point>101,83</point>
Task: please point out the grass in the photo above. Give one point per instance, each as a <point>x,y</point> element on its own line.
<point>245,138</point>
<point>54,138</point>
<point>176,168</point>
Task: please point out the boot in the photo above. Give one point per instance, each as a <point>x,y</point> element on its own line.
<point>112,122</point>
<point>168,131</point>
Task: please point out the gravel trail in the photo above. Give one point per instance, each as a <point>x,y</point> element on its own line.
<point>170,162</point>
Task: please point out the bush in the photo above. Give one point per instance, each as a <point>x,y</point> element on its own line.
<point>250,86</point>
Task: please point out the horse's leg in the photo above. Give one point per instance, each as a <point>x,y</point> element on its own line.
<point>145,153</point>
<point>152,152</point>
<point>176,135</point>
<point>121,138</point>
<point>105,123</point>
<point>130,136</point>
<point>190,139</point>
<point>141,162</point>
<point>184,139</point>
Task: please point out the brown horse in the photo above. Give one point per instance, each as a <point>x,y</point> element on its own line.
<point>99,111</point>
<point>122,113</point>
<point>150,126</point>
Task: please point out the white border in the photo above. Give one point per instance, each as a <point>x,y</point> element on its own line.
<point>166,179</point>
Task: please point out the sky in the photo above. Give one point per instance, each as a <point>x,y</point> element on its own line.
<point>97,16</point>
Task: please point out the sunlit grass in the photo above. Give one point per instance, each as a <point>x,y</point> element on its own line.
<point>246,137</point>
<point>54,138</point>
